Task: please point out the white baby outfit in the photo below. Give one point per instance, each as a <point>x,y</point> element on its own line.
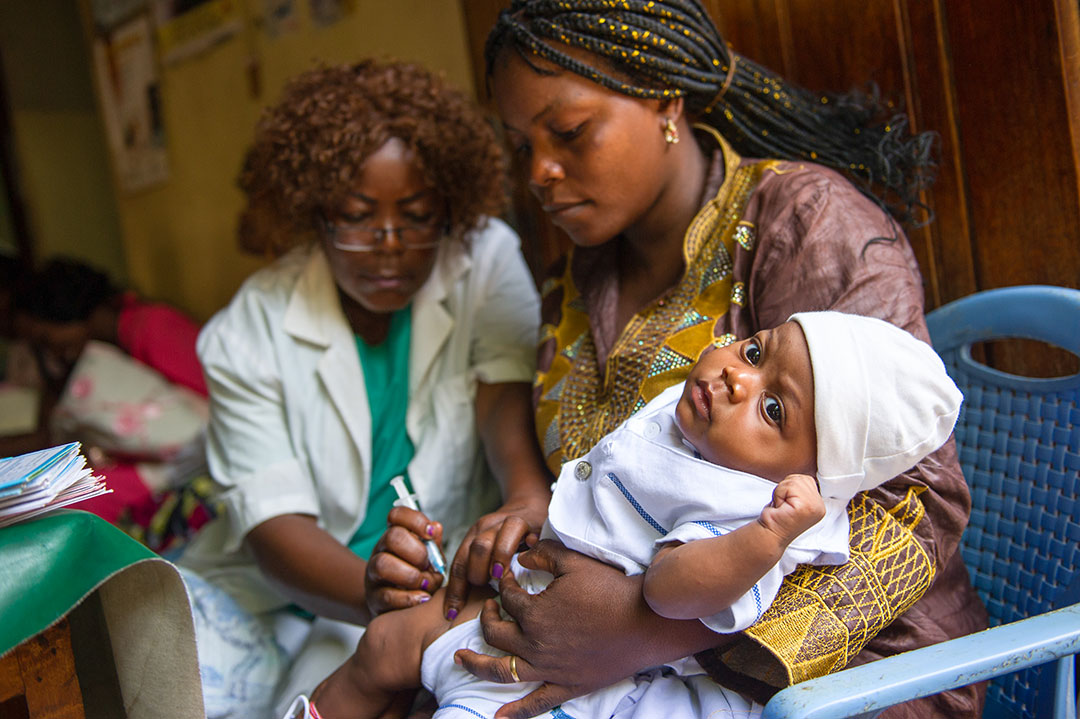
<point>639,487</point>
<point>882,402</point>
<point>643,485</point>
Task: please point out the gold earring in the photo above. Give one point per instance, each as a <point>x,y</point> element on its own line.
<point>671,133</point>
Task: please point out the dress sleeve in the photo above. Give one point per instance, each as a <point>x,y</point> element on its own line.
<point>249,447</point>
<point>507,309</point>
<point>822,245</point>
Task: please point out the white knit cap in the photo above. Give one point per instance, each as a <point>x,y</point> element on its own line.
<point>882,400</point>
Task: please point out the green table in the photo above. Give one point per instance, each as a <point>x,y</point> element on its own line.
<point>51,564</point>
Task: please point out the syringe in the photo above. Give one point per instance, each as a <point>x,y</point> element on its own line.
<point>435,556</point>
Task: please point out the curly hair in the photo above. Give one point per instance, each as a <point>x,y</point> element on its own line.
<point>308,149</point>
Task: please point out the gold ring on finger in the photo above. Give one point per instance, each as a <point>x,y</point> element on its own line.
<point>513,668</point>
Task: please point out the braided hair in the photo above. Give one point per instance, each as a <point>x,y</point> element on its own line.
<point>667,49</point>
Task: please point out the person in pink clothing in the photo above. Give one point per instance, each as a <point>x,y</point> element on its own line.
<point>162,337</point>
<point>60,308</point>
<point>66,303</point>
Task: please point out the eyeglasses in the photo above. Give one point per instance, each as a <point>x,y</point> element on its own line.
<point>365,238</point>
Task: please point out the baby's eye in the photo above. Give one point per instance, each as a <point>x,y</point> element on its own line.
<point>753,352</point>
<point>774,410</point>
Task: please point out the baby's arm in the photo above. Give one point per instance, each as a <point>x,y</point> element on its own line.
<point>387,659</point>
<point>701,578</point>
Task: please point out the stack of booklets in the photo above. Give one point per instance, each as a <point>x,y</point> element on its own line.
<point>39,482</point>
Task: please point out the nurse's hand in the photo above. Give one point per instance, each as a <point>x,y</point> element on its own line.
<point>588,629</point>
<point>398,574</point>
<point>491,542</point>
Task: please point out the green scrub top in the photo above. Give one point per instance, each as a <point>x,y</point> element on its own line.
<point>386,377</point>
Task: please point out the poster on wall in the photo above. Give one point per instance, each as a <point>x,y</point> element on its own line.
<point>131,103</point>
<point>328,12</point>
<point>188,27</point>
<point>280,17</point>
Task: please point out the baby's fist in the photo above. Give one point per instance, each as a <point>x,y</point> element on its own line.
<point>796,506</point>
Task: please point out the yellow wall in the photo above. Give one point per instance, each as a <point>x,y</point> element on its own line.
<point>58,140</point>
<point>179,237</point>
<point>65,183</point>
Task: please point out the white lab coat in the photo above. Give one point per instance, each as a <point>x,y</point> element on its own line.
<point>290,428</point>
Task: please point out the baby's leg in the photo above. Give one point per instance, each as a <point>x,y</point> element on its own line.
<point>387,659</point>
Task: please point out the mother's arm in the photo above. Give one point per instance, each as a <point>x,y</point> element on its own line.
<point>504,314</point>
<point>505,422</point>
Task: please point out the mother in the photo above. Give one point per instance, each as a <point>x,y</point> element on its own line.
<point>395,337</point>
<point>680,238</point>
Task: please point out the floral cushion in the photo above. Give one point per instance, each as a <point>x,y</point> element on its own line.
<point>128,409</point>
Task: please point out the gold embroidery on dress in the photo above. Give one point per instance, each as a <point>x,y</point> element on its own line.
<point>814,640</point>
<point>746,235</point>
<point>738,294</point>
<point>776,169</point>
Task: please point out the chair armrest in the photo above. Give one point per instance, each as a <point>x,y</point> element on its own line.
<point>930,670</point>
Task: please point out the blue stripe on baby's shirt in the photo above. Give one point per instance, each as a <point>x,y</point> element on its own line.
<point>556,713</point>
<point>463,708</point>
<point>656,525</point>
<point>636,505</point>
<point>754,589</point>
<point>709,526</point>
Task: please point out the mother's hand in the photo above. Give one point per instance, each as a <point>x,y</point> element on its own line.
<point>491,542</point>
<point>398,574</point>
<point>589,628</point>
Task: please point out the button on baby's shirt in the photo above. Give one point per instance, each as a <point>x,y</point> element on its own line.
<point>582,471</point>
<point>652,429</point>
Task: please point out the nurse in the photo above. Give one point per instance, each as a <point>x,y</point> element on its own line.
<point>395,335</point>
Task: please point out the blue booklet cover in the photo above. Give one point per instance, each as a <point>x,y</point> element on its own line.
<point>36,470</point>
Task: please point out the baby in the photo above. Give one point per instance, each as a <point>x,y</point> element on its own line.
<point>709,490</point>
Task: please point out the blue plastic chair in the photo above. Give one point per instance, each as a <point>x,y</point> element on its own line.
<point>1019,444</point>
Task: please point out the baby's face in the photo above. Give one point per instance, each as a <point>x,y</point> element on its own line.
<point>750,405</point>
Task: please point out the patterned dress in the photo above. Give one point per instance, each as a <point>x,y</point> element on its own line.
<point>775,238</point>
